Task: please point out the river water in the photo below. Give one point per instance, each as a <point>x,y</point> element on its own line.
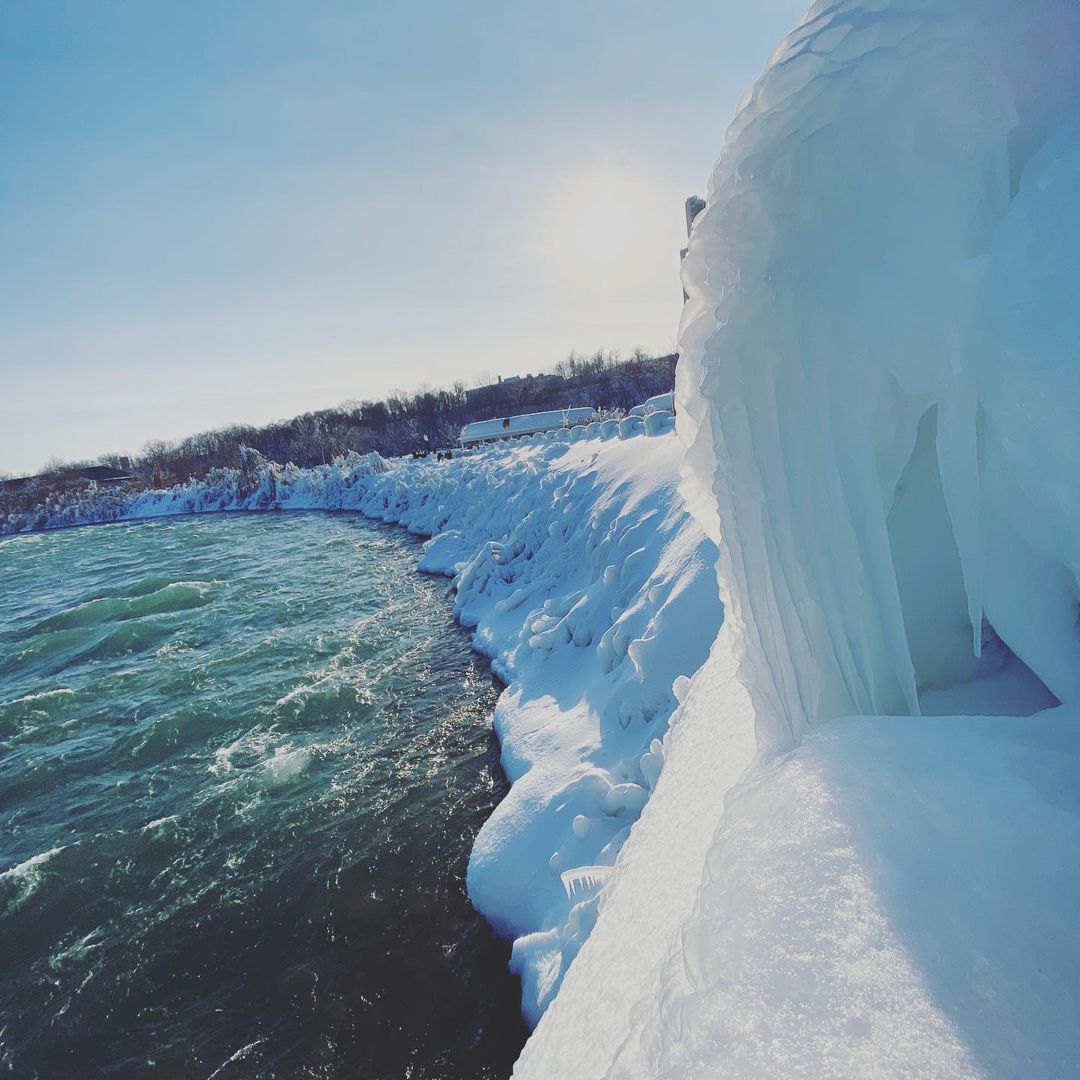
<point>242,762</point>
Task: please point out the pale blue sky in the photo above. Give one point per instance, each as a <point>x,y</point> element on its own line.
<point>238,210</point>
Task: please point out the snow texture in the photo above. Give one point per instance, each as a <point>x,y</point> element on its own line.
<point>878,388</point>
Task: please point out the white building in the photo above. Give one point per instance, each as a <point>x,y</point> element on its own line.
<point>510,427</point>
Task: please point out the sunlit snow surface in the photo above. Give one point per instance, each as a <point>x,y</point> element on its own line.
<point>879,389</point>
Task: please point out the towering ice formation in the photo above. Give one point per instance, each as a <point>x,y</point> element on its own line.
<point>880,395</point>
<point>880,370</point>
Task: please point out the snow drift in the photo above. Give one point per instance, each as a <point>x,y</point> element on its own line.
<point>878,388</point>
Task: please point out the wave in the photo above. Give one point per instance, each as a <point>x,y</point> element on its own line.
<point>34,710</point>
<point>21,882</point>
<point>173,596</point>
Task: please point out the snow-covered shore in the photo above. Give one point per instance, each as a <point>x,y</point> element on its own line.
<point>860,859</point>
<point>594,594</point>
<point>258,484</point>
<point>855,789</point>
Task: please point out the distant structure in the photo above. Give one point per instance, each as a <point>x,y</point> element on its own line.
<point>478,392</point>
<point>102,475</point>
<point>614,384</point>
<point>512,427</point>
<point>694,205</point>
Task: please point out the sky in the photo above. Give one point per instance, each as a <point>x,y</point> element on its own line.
<point>234,212</point>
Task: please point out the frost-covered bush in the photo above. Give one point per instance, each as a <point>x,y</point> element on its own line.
<point>258,484</point>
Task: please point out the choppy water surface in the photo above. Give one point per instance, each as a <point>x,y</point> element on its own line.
<point>242,762</point>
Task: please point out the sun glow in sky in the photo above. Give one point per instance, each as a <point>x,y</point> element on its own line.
<point>598,232</point>
<point>212,213</point>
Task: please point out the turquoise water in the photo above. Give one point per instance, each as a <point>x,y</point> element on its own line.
<point>242,762</point>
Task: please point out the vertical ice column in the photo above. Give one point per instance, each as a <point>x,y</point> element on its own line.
<point>825,365</point>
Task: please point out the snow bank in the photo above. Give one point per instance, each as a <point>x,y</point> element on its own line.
<point>594,593</point>
<point>906,907</point>
<point>878,387</point>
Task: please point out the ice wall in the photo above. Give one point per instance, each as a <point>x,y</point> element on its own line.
<point>594,593</point>
<point>879,373</point>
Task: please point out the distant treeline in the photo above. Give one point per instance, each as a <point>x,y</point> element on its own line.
<point>397,425</point>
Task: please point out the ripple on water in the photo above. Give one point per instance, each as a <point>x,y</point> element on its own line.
<point>244,759</point>
<point>168,597</point>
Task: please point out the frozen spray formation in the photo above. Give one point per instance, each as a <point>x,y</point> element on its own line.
<point>879,386</point>
<point>878,359</point>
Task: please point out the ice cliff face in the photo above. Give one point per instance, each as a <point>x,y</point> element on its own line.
<point>879,383</point>
<point>879,374</point>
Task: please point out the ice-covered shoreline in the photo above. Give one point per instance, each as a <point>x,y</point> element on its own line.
<point>861,857</point>
<point>579,572</point>
<point>855,803</point>
<point>596,604</point>
<point>258,484</point>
